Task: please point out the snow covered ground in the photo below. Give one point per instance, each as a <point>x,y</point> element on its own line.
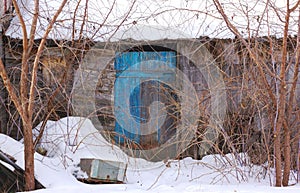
<point>70,139</point>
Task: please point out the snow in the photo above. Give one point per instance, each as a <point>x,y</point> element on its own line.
<point>78,135</point>
<point>70,139</point>
<point>7,165</point>
<point>147,32</point>
<point>108,20</point>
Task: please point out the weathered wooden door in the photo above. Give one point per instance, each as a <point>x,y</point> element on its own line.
<point>144,102</point>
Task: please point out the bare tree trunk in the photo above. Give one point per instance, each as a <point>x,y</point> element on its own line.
<point>287,155</point>
<point>29,156</point>
<point>283,95</point>
<point>25,102</point>
<point>277,157</point>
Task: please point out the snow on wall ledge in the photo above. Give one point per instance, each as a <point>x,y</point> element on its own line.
<point>146,32</point>
<point>108,20</point>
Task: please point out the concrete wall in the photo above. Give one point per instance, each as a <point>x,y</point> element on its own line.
<point>94,82</point>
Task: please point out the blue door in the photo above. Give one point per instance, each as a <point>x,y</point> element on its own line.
<point>144,104</point>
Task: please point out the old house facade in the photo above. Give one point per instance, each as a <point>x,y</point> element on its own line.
<point>157,99</point>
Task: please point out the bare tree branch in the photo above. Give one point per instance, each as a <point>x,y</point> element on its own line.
<point>25,67</point>
<point>33,25</point>
<point>235,31</point>
<point>10,89</point>
<point>37,58</point>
